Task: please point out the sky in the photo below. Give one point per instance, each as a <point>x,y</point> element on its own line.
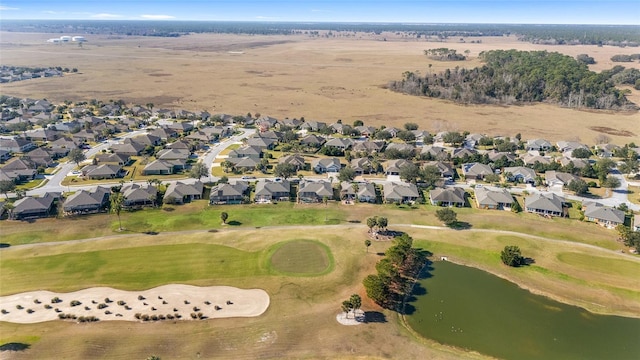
<point>613,12</point>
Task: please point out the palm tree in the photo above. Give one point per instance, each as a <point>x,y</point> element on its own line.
<point>367,243</point>
<point>224,216</point>
<point>117,202</point>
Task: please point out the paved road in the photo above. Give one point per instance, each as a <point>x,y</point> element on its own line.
<point>216,149</point>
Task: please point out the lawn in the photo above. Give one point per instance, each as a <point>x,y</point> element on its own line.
<point>301,257</point>
<point>634,194</point>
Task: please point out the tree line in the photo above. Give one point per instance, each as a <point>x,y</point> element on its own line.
<point>396,273</point>
<point>516,77</point>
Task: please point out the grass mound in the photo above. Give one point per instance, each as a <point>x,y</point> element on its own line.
<point>301,257</point>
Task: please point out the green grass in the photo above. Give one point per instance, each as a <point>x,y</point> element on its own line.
<point>605,265</point>
<point>301,257</point>
<point>129,268</point>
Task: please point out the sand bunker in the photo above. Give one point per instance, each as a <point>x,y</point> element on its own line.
<point>168,302</point>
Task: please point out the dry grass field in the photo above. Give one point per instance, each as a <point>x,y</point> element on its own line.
<point>293,76</point>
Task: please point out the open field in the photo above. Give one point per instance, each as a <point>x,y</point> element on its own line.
<point>294,76</point>
<point>300,321</point>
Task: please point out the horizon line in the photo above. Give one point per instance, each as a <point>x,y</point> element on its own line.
<point>326,22</point>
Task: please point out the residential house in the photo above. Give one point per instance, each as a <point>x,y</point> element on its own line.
<point>254,152</point>
<point>217,131</point>
<point>43,134</point>
<point>576,163</point>
<point>292,123</point>
<point>462,152</point>
<point>4,155</point>
<point>40,157</point>
<point>312,141</point>
<point>163,133</point>
<point>400,193</point>
<point>366,193</point>
<point>161,167</point>
<point>180,193</point>
<point>173,154</point>
<point>532,159</point>
<point>453,196</point>
<point>493,198</point>
<point>340,143</point>
<point>538,145</point>
<point>603,215</point>
<point>145,139</point>
<point>87,135</point>
<point>547,204</point>
<point>434,152</point>
<point>446,169</point>
<point>268,191</point>
<point>498,155</point>
<point>231,193</point>
<point>33,207</point>
<point>347,191</point>
<point>567,147</point>
<point>179,144</point>
<point>244,164</point>
<point>103,171</point>
<point>471,141</point>
<point>369,146</point>
<point>296,160</point>
<point>266,122</point>
<point>128,149</point>
<point>366,131</point>
<point>361,166</point>
<point>606,150</point>
<point>310,191</point>
<point>476,171</point>
<point>63,145</point>
<point>519,174</point>
<point>556,178</point>
<point>16,145</point>
<point>325,165</point>
<point>337,127</point>
<point>19,170</point>
<point>138,195</point>
<point>392,167</point>
<point>400,147</point>
<point>262,142</point>
<point>393,131</point>
<point>87,201</point>
<point>113,158</point>
<point>312,125</point>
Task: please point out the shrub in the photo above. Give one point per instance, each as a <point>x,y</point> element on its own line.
<point>19,307</point>
<point>107,300</point>
<point>126,307</point>
<point>137,316</point>
<point>154,317</point>
<point>169,316</point>
<point>121,303</point>
<point>195,308</point>
<point>56,300</point>
<point>107,312</point>
<point>75,303</point>
<point>140,297</point>
<point>193,315</point>
<point>200,316</point>
<point>61,316</point>
<point>145,317</point>
<point>178,316</point>
<point>57,310</point>
<point>87,308</point>
<point>36,301</point>
<point>161,317</point>
<point>102,306</point>
<point>30,311</point>
<point>47,306</point>
<point>4,311</point>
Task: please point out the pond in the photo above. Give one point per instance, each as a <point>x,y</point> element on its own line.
<point>472,309</point>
